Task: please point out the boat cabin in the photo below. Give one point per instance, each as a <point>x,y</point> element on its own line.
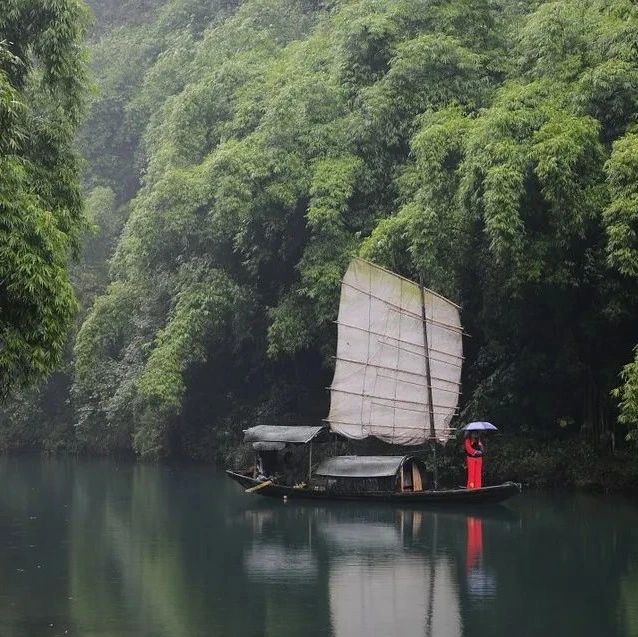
<point>284,452</point>
<point>355,474</point>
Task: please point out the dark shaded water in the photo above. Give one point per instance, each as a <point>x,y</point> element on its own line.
<point>95,548</point>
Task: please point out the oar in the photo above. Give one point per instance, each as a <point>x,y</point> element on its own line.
<point>261,485</point>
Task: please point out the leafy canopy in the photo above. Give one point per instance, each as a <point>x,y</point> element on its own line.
<point>42,88</point>
<point>488,146</point>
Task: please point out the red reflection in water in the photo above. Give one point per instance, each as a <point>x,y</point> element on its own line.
<point>474,542</point>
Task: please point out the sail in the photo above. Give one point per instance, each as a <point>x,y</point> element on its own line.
<point>380,383</point>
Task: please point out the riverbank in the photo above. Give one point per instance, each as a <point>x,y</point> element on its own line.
<point>570,463</point>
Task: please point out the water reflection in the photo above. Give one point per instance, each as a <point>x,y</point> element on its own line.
<point>387,570</point>
<point>378,586</point>
<point>101,549</point>
<point>129,562</point>
<point>481,582</point>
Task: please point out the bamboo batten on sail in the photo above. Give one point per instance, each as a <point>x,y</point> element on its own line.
<point>380,384</point>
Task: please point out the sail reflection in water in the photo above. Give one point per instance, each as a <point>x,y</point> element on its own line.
<point>402,596</point>
<point>384,572</point>
<point>275,562</point>
<point>403,593</point>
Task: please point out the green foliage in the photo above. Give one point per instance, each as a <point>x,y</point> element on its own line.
<point>204,308</point>
<point>483,146</point>
<point>254,148</point>
<point>108,354</point>
<point>627,395</point>
<point>621,215</point>
<point>543,462</point>
<point>42,87</point>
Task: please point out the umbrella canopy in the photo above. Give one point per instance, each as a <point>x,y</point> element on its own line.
<point>480,426</point>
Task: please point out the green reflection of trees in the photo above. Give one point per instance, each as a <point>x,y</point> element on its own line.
<point>34,507</point>
<point>130,565</point>
<point>629,601</point>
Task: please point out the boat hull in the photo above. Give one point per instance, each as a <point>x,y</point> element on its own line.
<point>485,495</point>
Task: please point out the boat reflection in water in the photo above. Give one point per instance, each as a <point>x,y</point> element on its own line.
<point>378,586</point>
<point>380,572</point>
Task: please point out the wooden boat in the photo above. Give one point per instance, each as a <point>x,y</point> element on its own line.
<point>397,378</point>
<point>485,495</point>
<point>400,479</point>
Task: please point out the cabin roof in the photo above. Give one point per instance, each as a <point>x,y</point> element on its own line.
<point>360,466</point>
<point>262,445</point>
<point>278,433</point>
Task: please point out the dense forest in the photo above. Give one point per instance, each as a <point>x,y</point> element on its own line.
<point>238,154</point>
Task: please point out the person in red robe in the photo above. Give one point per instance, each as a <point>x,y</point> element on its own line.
<point>474,450</point>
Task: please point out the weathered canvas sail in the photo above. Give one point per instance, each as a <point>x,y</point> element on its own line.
<point>380,384</point>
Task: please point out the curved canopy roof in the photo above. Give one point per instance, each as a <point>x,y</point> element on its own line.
<point>268,446</point>
<point>276,433</point>
<point>360,466</point>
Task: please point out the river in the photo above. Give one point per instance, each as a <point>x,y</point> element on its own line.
<point>105,548</point>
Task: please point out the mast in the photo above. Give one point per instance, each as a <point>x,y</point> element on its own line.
<point>428,373</point>
<point>428,382</point>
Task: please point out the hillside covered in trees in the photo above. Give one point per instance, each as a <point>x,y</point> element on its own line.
<point>238,154</point>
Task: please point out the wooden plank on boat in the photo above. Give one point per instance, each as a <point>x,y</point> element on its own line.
<point>259,486</point>
<point>417,483</point>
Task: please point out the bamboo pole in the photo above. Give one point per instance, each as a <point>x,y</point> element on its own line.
<point>259,486</point>
<point>403,311</point>
<point>402,341</point>
<point>428,377</point>
<point>389,368</point>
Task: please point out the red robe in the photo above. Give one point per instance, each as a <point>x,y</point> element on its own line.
<point>474,452</point>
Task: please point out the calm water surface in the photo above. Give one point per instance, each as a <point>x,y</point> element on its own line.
<point>96,548</point>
